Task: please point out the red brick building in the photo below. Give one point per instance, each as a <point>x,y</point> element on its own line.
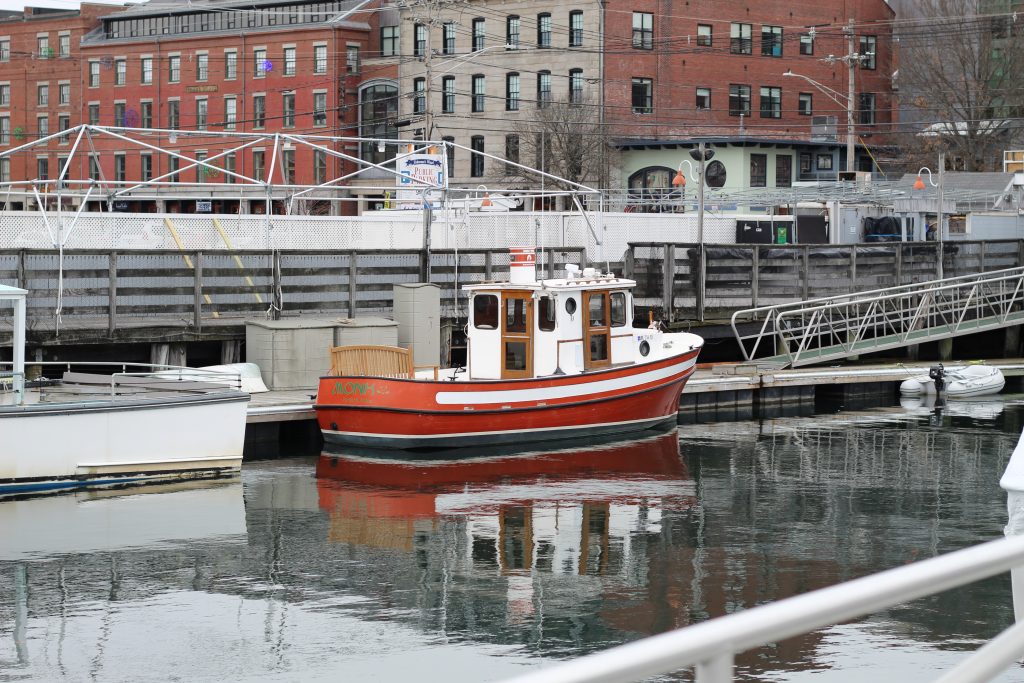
<point>39,81</point>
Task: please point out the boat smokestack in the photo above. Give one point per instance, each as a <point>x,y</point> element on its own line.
<point>522,265</point>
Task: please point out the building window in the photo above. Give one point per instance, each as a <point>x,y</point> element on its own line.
<point>739,100</point>
<point>120,170</point>
<point>511,153</point>
<point>94,114</point>
<point>419,47</point>
<point>288,110</point>
<point>771,41</point>
<point>173,164</point>
<point>120,72</point>
<point>479,34</point>
<point>479,93</point>
<point>229,168</point>
<point>43,94</point>
<point>352,59</point>
<point>259,111</point>
<point>201,113</point>
<point>5,130</point>
<point>146,117</point>
<point>5,170</point>
<point>43,125</point>
<point>805,104</point>
<point>867,108</point>
<point>230,113</point>
<point>288,165</point>
<point>146,76</point>
<point>63,123</point>
<point>783,171</point>
<point>173,69</point>
<point>260,63</point>
<point>740,39</point>
<point>544,30</point>
<point>378,108</point>
<point>703,98</point>
<point>5,50</point>
<point>5,95</point>
<point>758,170</point>
<point>173,114</point>
<point>202,172</point>
<point>868,50</point>
<point>643,30</point>
<point>704,35</point>
<point>42,168</point>
<point>448,38</point>
<point>576,86</point>
<point>449,154</point>
<point>389,42</point>
<point>543,89</point>
<point>448,94</point>
<point>202,66</point>
<point>230,66</point>
<point>319,166</point>
<point>575,28</point>
<point>259,165</point>
<point>147,166</point>
<point>476,159</point>
<point>512,31</point>
<point>289,61</point>
<point>94,74</point>
<point>63,93</point>
<point>119,111</point>
<point>319,59</point>
<point>419,96</point>
<point>512,92</point>
<point>643,95</point>
<point>43,47</point>
<point>94,167</point>
<point>319,109</point>
<point>771,102</point>
<point>64,44</point>
<point>806,44</point>
<point>823,162</point>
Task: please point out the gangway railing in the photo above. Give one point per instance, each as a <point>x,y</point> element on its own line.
<point>710,647</point>
<point>836,327</point>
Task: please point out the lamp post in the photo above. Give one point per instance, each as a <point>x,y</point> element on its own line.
<point>845,101</point>
<point>919,185</point>
<point>702,154</point>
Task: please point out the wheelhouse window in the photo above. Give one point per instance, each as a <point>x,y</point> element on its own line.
<point>485,312</point>
<point>546,314</point>
<point>618,309</point>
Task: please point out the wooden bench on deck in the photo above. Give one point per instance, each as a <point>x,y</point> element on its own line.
<point>375,361</point>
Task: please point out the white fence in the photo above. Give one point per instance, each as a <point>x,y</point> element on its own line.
<point>604,235</point>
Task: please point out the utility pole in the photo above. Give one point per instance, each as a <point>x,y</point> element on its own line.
<point>852,59</point>
<point>938,228</point>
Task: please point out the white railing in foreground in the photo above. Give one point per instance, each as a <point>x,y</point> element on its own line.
<point>712,645</point>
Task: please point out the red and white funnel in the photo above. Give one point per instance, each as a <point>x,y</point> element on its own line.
<point>522,265</point>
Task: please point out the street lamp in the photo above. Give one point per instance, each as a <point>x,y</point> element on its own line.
<point>702,155</point>
<point>845,101</point>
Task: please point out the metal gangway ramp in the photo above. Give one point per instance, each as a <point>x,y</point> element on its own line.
<point>832,328</point>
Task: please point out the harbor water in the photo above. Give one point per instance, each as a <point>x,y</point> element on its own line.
<point>480,570</point>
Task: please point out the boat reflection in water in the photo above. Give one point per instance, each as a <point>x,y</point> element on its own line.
<point>560,510</point>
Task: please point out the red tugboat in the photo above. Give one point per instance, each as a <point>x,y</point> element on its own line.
<point>549,359</point>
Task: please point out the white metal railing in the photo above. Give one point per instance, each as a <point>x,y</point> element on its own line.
<point>831,328</point>
<point>163,376</point>
<point>711,646</point>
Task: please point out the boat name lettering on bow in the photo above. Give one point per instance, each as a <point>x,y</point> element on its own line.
<point>357,389</point>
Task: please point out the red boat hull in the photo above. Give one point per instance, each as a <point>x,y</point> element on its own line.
<point>426,414</point>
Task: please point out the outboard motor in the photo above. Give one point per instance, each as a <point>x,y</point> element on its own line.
<point>937,373</point>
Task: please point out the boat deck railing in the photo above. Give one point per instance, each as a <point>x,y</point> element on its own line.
<point>151,377</point>
<point>710,647</point>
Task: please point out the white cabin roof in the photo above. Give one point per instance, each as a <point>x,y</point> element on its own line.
<point>597,282</point>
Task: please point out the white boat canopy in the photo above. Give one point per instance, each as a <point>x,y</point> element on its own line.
<point>17,296</point>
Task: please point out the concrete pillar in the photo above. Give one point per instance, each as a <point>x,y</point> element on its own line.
<point>914,352</point>
<point>1011,342</point>
<point>168,353</point>
<point>946,349</point>
<point>230,351</point>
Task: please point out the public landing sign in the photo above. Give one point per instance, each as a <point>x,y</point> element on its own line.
<point>416,172</point>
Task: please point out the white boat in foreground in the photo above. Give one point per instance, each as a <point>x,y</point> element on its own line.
<point>962,381</point>
<point>103,430</point>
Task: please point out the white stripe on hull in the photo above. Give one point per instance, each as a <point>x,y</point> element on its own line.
<point>573,390</point>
